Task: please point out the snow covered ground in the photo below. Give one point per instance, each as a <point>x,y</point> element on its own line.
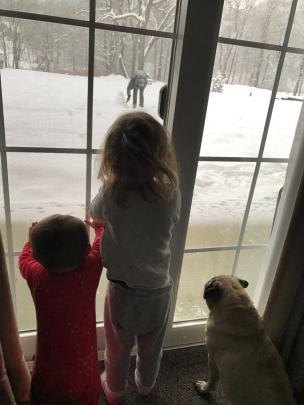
<point>49,110</point>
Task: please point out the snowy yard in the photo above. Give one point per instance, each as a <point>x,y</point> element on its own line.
<point>49,110</point>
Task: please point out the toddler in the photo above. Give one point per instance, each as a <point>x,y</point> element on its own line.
<point>62,271</point>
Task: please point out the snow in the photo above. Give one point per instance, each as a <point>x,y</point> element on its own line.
<point>49,110</point>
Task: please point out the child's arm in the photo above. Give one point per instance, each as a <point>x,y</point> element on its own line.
<point>99,229</point>
<point>96,209</point>
<point>28,266</point>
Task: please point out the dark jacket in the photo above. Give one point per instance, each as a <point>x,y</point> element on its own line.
<point>138,81</point>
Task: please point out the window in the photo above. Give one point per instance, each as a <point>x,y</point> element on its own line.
<point>254,104</point>
<point>64,75</point>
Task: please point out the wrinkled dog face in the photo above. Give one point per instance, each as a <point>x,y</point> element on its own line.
<point>215,287</point>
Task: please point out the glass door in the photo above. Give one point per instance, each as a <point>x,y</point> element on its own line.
<point>65,69</point>
<point>233,104</point>
<point>255,98</point>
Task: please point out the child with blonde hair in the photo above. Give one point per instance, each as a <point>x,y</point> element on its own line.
<point>139,202</point>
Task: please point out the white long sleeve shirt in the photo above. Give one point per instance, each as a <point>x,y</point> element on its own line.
<point>136,240</point>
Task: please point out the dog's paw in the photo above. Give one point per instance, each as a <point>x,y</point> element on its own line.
<point>202,387</point>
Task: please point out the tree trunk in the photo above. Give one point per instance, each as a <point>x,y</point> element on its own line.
<point>134,55</point>
<point>160,61</point>
<point>265,71</point>
<point>299,82</point>
<point>4,50</point>
<point>167,61</point>
<point>258,68</point>
<point>155,61</point>
<point>141,53</point>
<point>232,65</point>
<point>235,69</point>
<point>121,56</point>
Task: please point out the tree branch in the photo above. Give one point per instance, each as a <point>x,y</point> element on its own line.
<point>114,17</point>
<point>160,27</point>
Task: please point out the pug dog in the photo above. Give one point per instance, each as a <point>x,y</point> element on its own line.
<point>240,354</point>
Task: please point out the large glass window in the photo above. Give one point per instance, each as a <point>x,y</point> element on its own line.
<point>241,89</point>
<point>45,84</point>
<point>153,15</point>
<point>219,202</point>
<point>254,103</point>
<point>64,76</point>
<point>63,83</point>
<point>197,269</point>
<point>118,56</point>
<point>62,8</point>
<point>254,20</point>
<point>42,185</point>
<point>297,33</point>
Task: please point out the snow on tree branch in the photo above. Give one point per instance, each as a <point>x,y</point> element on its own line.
<point>157,2</point>
<point>114,17</point>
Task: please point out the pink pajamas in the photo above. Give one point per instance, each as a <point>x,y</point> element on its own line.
<point>134,314</point>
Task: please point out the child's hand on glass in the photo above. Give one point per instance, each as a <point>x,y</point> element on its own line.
<point>31,228</point>
<point>93,224</point>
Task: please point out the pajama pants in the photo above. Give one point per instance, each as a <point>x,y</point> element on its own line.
<point>134,314</point>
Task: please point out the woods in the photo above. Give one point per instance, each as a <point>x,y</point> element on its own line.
<point>64,49</point>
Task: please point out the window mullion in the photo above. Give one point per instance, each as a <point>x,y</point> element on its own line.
<point>90,103</point>
<point>6,196</point>
<point>188,106</point>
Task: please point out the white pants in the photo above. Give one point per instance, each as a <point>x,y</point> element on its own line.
<point>131,314</point>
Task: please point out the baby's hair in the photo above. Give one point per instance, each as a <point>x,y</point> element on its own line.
<point>138,157</point>
<point>59,242</point>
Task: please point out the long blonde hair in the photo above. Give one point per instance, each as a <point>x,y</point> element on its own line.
<point>138,157</point>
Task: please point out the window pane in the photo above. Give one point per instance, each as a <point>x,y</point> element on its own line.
<point>62,8</point>
<point>45,84</point>
<point>44,184</point>
<point>287,108</point>
<point>218,205</point>
<point>238,101</point>
<point>297,33</point>
<point>25,310</point>
<point>95,185</point>
<point>197,269</point>
<point>118,57</point>
<point>156,15</point>
<point>270,180</point>
<point>249,266</point>
<point>260,21</point>
<point>101,293</point>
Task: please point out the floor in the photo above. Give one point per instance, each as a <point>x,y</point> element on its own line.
<point>180,368</point>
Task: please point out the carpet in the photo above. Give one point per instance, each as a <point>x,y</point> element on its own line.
<point>179,369</point>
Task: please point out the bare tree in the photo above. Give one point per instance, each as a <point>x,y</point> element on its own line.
<point>271,7</point>
<point>236,17</point>
<point>4,31</point>
<point>299,83</point>
<point>140,14</point>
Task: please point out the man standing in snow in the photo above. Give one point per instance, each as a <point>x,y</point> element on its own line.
<point>137,82</point>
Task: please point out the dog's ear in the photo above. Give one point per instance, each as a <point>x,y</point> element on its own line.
<point>243,283</point>
<point>212,290</point>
